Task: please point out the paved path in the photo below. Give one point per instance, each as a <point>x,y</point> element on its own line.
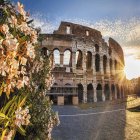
<point>101,123</point>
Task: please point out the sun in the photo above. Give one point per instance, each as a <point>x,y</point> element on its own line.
<point>132,67</point>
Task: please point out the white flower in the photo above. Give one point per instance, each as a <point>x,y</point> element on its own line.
<point>21,9</point>
<point>4,28</point>
<point>9,136</point>
<point>11,44</point>
<point>22,116</point>
<point>13,20</point>
<point>23,61</point>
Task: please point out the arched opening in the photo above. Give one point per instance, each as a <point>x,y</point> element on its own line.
<point>99,92</point>
<point>79,59</point>
<point>88,60</point>
<point>115,64</point>
<point>104,63</point>
<point>53,96</point>
<point>113,91</point>
<point>110,63</point>
<point>109,51</point>
<point>56,56</point>
<point>44,52</point>
<point>67,99</point>
<point>89,93</point>
<point>80,93</point>
<point>67,58</point>
<point>107,92</point>
<point>67,94</point>
<point>97,62</point>
<point>118,91</point>
<point>121,92</point>
<point>96,48</point>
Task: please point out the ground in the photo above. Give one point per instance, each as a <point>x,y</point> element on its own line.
<point>106,121</point>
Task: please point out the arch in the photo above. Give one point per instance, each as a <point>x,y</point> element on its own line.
<point>79,59</point>
<point>96,48</point>
<point>56,56</point>
<point>105,63</point>
<point>55,84</point>
<point>113,91</point>
<point>99,92</point>
<point>67,84</point>
<point>121,92</point>
<point>97,62</point>
<point>45,52</point>
<point>80,93</point>
<point>89,93</point>
<point>88,60</point>
<point>116,63</point>
<point>110,64</point>
<point>67,57</point>
<point>109,51</point>
<point>107,91</point>
<point>118,91</point>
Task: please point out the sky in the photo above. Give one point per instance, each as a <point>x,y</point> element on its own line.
<point>119,19</point>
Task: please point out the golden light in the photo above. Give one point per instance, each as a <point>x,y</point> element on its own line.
<point>132,67</point>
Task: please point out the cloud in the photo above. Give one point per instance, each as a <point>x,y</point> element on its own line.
<point>40,21</point>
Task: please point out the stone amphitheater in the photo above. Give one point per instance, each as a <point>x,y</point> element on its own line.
<point>86,68</point>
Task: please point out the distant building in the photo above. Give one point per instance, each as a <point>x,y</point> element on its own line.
<point>87,69</point>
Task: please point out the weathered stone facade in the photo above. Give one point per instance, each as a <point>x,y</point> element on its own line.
<point>94,71</point>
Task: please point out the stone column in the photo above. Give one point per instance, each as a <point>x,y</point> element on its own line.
<point>108,66</point>
<point>103,93</point>
<point>113,67</point>
<point>85,94</point>
<point>93,64</point>
<point>95,93</point>
<point>74,61</point>
<point>60,100</point>
<point>120,92</point>
<point>115,91</point>
<point>101,65</point>
<point>110,91</point>
<point>84,61</point>
<point>61,58</point>
<point>75,100</point>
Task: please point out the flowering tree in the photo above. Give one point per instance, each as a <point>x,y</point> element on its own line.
<point>43,117</point>
<point>17,43</point>
<point>17,48</point>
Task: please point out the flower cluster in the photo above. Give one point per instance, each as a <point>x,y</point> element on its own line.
<point>51,123</point>
<point>9,135</point>
<point>39,66</point>
<point>17,47</point>
<point>22,116</point>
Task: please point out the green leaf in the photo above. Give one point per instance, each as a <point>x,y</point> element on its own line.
<point>21,131</point>
<point>5,109</point>
<point>22,102</point>
<point>3,116</point>
<point>7,123</point>
<point>3,134</point>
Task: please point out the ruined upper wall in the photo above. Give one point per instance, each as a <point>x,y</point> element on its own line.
<point>78,30</point>
<point>116,46</point>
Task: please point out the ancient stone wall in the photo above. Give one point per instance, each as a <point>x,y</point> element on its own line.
<point>94,71</point>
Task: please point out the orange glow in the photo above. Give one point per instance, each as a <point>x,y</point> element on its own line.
<point>132,67</point>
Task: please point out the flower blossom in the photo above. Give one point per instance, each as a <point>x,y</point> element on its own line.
<point>9,135</point>
<point>4,28</point>
<point>22,116</point>
<point>20,8</point>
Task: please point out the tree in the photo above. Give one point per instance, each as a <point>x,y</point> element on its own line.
<point>17,52</point>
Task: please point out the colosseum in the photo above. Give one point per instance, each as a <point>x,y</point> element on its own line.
<point>86,68</point>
